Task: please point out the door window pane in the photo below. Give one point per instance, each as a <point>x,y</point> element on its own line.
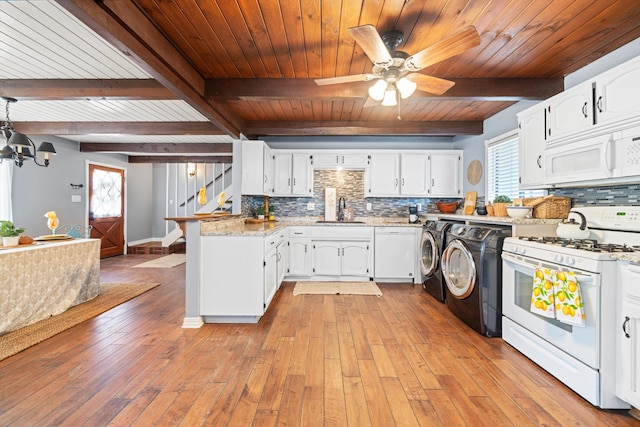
<point>107,194</point>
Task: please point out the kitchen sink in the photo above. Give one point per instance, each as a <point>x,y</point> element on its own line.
<point>340,222</point>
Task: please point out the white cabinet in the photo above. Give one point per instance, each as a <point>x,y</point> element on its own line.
<point>256,168</point>
<point>395,253</point>
<point>282,258</point>
<point>342,252</point>
<point>339,160</point>
<point>383,175</point>
<point>446,174</point>
<point>270,277</point>
<point>293,174</point>
<point>569,111</point>
<point>299,257</point>
<point>415,171</point>
<point>617,95</point>
<point>628,334</point>
<point>531,136</point>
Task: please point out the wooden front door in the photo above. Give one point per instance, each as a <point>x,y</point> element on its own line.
<point>106,208</point>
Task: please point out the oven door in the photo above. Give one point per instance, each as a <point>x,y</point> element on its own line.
<point>517,284</point>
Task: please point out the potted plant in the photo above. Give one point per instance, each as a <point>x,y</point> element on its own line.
<point>260,212</point>
<point>272,215</point>
<point>10,234</point>
<point>500,205</point>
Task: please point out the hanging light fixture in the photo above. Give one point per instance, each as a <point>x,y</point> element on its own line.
<point>406,87</point>
<point>390,96</point>
<point>18,147</point>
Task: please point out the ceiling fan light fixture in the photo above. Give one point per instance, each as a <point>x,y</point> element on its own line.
<point>377,91</point>
<point>406,87</point>
<point>390,97</point>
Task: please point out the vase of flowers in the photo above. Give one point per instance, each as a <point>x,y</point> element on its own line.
<point>10,234</point>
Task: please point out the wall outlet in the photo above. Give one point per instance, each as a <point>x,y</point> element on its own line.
<point>311,206</point>
<point>419,207</point>
<point>76,198</point>
<point>368,206</point>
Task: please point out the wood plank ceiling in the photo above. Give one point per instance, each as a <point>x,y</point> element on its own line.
<point>218,68</point>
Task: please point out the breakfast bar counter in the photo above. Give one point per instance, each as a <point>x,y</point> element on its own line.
<point>41,280</point>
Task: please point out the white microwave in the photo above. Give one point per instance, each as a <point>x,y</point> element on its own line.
<point>605,159</point>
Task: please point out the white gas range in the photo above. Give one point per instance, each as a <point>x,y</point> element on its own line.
<point>582,357</point>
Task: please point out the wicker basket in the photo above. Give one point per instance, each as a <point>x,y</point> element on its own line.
<point>553,207</point>
<point>500,209</point>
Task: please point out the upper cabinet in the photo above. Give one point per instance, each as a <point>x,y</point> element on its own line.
<point>569,111</point>
<point>531,139</point>
<point>339,160</point>
<point>293,174</point>
<point>617,93</point>
<point>446,174</point>
<point>256,168</point>
<point>428,174</point>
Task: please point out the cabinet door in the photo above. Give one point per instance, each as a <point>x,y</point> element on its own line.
<point>253,174</point>
<point>302,175</point>
<point>629,353</point>
<point>326,160</point>
<point>618,93</point>
<point>326,258</point>
<point>570,111</point>
<point>354,161</point>
<point>383,175</point>
<point>531,131</point>
<point>355,258</point>
<point>415,173</point>
<point>270,276</point>
<point>282,174</point>
<point>299,257</point>
<point>446,175</point>
<point>267,168</point>
<point>282,261</point>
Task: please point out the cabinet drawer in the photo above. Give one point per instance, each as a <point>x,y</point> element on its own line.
<point>299,231</point>
<point>273,240</point>
<point>341,232</point>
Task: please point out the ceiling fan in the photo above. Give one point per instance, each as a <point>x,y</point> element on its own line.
<point>395,70</point>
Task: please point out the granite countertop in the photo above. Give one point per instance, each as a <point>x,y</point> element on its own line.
<point>627,256</point>
<point>237,226</point>
<point>485,219</point>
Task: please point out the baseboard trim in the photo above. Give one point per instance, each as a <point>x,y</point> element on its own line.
<point>192,322</point>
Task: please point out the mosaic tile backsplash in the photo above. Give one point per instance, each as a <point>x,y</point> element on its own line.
<point>350,185</point>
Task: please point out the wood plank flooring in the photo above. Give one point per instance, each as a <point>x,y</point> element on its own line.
<point>312,360</point>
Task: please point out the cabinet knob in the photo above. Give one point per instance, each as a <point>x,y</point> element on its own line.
<point>599,104</point>
<point>584,110</point>
<point>624,326</point>
<point>538,161</point>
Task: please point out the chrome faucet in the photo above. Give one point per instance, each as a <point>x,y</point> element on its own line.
<point>341,206</point>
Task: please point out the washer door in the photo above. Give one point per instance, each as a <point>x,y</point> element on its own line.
<point>429,254</point>
<point>458,269</point>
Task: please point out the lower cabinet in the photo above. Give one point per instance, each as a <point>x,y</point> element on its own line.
<point>628,334</point>
<point>239,275</point>
<point>332,258</point>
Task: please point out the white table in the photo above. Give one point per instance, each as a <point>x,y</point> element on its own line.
<point>42,280</point>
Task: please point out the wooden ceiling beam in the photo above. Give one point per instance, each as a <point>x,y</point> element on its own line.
<point>180,159</point>
<point>464,89</point>
<point>157,148</point>
<point>354,128</point>
<point>74,89</point>
<point>128,29</point>
<point>133,128</point>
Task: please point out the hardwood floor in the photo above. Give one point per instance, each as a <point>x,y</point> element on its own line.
<point>332,360</point>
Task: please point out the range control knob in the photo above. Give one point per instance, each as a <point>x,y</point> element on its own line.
<point>569,260</point>
<point>558,258</point>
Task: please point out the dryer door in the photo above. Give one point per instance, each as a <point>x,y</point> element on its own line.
<point>429,254</point>
<point>458,269</point>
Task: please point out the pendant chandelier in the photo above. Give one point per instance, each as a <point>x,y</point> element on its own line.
<point>19,146</point>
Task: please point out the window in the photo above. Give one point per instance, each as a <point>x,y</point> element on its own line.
<point>6,174</point>
<point>503,172</point>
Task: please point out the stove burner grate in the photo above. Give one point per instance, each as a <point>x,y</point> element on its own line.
<point>590,245</point>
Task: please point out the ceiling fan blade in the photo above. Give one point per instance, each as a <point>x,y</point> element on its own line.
<point>370,41</point>
<point>444,49</point>
<point>344,79</point>
<point>434,85</point>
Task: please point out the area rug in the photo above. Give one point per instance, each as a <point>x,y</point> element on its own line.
<point>342,288</point>
<point>164,262</point>
<point>112,294</point>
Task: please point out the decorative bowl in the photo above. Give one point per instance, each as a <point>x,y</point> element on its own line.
<point>447,207</point>
<point>518,211</point>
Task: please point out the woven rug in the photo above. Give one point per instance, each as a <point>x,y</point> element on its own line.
<point>164,262</point>
<point>332,288</point>
<point>112,294</point>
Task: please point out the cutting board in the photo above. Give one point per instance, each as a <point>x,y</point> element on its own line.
<point>470,202</point>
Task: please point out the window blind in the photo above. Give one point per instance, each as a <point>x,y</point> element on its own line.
<point>503,169</point>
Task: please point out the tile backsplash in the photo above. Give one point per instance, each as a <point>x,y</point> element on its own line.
<point>350,185</point>
<point>619,195</point>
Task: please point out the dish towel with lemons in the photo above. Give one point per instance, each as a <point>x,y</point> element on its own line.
<point>556,294</point>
